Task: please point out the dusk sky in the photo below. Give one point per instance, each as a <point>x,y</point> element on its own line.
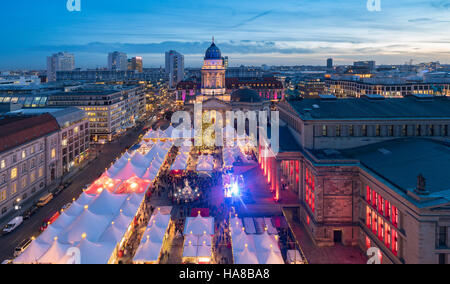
<point>288,32</point>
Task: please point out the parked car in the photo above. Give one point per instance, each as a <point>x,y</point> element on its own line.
<point>49,220</point>
<point>30,212</point>
<point>45,200</point>
<point>58,190</point>
<point>12,225</point>
<point>22,247</point>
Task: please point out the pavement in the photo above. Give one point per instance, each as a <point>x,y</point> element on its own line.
<point>106,155</point>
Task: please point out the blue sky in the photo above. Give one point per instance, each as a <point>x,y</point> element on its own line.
<point>248,31</point>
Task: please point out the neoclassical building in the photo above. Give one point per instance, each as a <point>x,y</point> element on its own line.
<point>213,75</point>
<point>368,172</point>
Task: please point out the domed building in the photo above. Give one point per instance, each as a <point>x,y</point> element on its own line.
<point>213,75</point>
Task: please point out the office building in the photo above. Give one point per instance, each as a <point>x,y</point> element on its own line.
<point>61,61</point>
<point>117,61</point>
<point>174,67</point>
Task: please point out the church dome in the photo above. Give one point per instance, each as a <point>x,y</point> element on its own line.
<point>246,95</point>
<point>213,53</point>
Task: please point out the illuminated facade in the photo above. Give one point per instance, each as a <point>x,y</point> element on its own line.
<point>213,76</point>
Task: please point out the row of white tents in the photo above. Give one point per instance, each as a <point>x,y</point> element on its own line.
<point>252,248</point>
<point>181,161</point>
<point>144,166</point>
<point>89,232</point>
<point>149,250</point>
<point>198,233</point>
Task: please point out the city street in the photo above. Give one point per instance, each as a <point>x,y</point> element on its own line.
<point>108,153</point>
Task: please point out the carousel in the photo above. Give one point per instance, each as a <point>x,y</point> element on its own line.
<point>187,194</point>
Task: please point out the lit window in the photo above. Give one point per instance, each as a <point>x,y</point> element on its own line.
<point>41,172</point>
<point>2,164</point>
<point>24,182</point>
<point>14,173</point>
<point>3,195</point>
<point>13,188</point>
<point>64,142</point>
<point>24,154</point>
<point>53,153</point>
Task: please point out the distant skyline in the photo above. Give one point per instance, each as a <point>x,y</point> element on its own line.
<point>288,32</point>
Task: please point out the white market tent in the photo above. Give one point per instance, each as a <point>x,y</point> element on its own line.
<point>148,251</point>
<point>199,225</point>
<point>270,257</point>
<point>246,257</point>
<point>95,230</point>
<point>266,242</point>
<point>180,163</point>
<point>152,241</point>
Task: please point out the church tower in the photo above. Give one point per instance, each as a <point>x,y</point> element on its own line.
<point>213,75</point>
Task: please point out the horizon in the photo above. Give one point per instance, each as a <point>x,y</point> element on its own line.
<point>249,33</point>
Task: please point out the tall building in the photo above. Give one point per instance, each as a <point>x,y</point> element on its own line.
<point>61,61</point>
<point>117,61</point>
<point>36,149</point>
<point>136,64</point>
<point>330,63</point>
<point>174,67</point>
<point>213,74</point>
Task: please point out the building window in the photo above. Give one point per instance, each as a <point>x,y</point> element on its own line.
<point>2,164</point>
<point>310,190</point>
<point>364,130</point>
<point>41,172</point>
<point>3,195</point>
<point>378,130</point>
<point>24,154</point>
<point>14,173</point>
<point>53,154</point>
<point>404,130</point>
<point>417,130</point>
<point>13,188</point>
<point>351,130</point>
<point>24,182</point>
<point>442,236</point>
<point>324,130</point>
<point>338,130</point>
<point>391,130</point>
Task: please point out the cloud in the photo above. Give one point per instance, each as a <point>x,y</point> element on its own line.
<point>242,47</point>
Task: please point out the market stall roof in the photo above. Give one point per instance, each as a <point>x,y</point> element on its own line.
<point>36,249</point>
<point>199,225</point>
<point>155,233</point>
<point>246,257</point>
<point>204,250</point>
<point>88,223</point>
<point>266,242</point>
<point>57,251</point>
<point>64,220</point>
<point>241,241</point>
<point>205,163</point>
<point>270,257</point>
<point>113,234</point>
<point>270,228</point>
<point>190,250</point>
<point>160,220</point>
<point>95,253</point>
<point>148,251</point>
<point>49,235</point>
<point>107,203</point>
<point>128,171</point>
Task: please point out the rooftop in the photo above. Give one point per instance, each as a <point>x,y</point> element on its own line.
<point>64,116</point>
<point>16,131</point>
<point>401,161</point>
<point>367,108</point>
